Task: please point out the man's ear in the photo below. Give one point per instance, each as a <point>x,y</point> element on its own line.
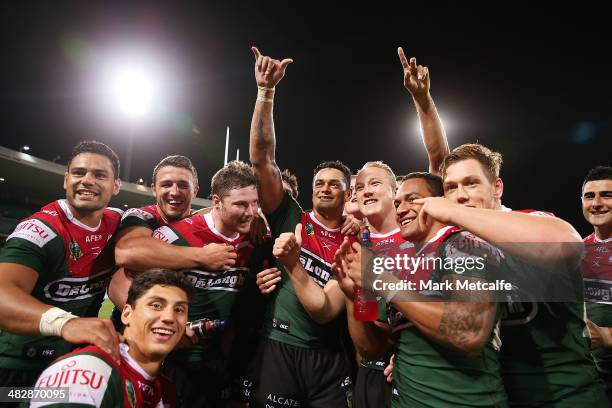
<point>216,201</point>
<point>498,188</point>
<point>65,180</point>
<point>126,314</point>
<point>116,186</point>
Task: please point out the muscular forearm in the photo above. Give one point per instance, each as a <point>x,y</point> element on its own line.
<point>142,253</point>
<point>20,312</point>
<point>369,340</point>
<point>549,238</point>
<point>262,138</point>
<point>321,304</point>
<point>432,131</point>
<point>262,156</point>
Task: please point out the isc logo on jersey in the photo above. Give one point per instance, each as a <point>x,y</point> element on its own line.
<point>34,231</point>
<point>86,377</point>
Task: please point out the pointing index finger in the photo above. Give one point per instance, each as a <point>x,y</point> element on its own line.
<point>402,57</point>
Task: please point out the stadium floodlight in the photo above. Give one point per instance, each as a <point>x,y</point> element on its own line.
<point>25,148</point>
<point>133,91</point>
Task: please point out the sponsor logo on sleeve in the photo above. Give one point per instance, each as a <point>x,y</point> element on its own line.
<point>165,234</point>
<point>34,231</point>
<point>85,376</point>
<point>138,213</point>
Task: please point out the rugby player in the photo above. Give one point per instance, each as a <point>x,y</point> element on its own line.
<point>175,184</point>
<point>373,196</point>
<point>55,268</point>
<point>545,358</point>
<point>155,317</point>
<point>597,267</point>
<point>446,353</point>
<point>201,371</point>
<point>302,324</point>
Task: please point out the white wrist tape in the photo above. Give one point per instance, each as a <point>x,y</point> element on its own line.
<point>52,321</point>
<point>262,94</point>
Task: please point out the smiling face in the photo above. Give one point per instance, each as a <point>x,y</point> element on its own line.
<point>597,202</point>
<point>408,212</point>
<point>237,209</point>
<point>329,191</point>
<point>156,322</point>
<point>466,183</point>
<point>174,188</point>
<point>90,183</point>
<point>374,192</point>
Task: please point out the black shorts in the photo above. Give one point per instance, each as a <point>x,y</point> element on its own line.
<point>371,388</point>
<point>286,376</point>
<point>17,378</point>
<point>207,386</point>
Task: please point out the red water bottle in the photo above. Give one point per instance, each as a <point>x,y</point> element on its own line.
<point>365,305</point>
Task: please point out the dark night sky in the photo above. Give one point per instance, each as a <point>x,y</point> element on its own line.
<point>533,84</point>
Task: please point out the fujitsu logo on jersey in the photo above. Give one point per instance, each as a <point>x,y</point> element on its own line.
<point>165,234</point>
<point>69,374</point>
<point>33,227</point>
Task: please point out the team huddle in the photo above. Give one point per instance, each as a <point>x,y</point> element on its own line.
<point>255,302</point>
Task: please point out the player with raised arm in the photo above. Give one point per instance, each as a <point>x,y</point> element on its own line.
<point>374,191</point>
<point>55,268</point>
<point>155,318</point>
<point>302,324</point>
<point>453,338</point>
<point>597,267</point>
<point>544,358</point>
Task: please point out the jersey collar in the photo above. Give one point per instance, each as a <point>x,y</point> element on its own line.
<point>313,217</point>
<point>211,224</point>
<point>64,206</point>
<point>123,350</point>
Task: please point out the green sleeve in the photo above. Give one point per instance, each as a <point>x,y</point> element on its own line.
<point>285,217</point>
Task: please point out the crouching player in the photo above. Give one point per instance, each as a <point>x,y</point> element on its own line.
<point>155,317</point>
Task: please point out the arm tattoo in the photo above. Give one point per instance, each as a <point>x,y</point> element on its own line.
<point>466,317</point>
<point>260,141</point>
<point>461,322</point>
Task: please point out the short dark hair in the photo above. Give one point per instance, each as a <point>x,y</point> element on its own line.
<point>234,175</point>
<point>434,182</point>
<point>163,277</point>
<point>91,146</point>
<point>290,179</point>
<point>338,165</point>
<point>598,173</point>
<point>176,161</point>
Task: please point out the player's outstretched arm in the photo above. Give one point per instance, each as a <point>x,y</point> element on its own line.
<point>321,303</point>
<point>137,250</point>
<point>268,73</point>
<point>417,82</point>
<point>551,239</point>
<point>20,313</point>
